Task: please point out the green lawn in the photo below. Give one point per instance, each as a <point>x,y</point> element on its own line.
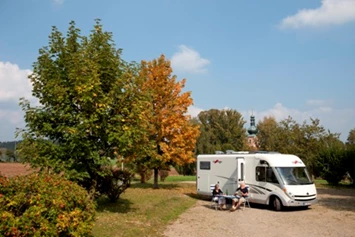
<point>320,182</point>
<point>144,211</point>
<point>180,178</point>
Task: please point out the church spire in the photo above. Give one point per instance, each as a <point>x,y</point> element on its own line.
<point>252,130</point>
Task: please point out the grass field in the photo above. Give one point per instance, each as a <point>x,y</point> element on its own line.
<point>144,211</point>
<point>179,178</point>
<point>320,182</point>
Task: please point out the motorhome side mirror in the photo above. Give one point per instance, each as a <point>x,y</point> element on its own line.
<point>264,162</point>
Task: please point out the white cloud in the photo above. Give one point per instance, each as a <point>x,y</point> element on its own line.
<point>189,60</point>
<point>16,116</point>
<point>14,85</point>
<point>317,102</point>
<point>331,12</point>
<point>194,111</point>
<point>14,82</point>
<point>58,2</point>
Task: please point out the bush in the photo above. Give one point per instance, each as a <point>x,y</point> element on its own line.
<point>187,169</point>
<point>145,174</point>
<point>114,182</point>
<point>44,205</point>
<point>163,174</point>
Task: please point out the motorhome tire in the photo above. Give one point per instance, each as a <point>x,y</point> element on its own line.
<point>276,204</point>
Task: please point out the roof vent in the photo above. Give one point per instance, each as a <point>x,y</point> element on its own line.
<point>264,152</point>
<point>230,151</point>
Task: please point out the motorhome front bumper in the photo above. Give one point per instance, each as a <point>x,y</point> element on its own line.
<point>298,203</point>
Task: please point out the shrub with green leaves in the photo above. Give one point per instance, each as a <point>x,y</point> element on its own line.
<point>44,205</point>
<point>186,169</point>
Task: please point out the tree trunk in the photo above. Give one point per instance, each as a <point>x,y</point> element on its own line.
<point>156,175</point>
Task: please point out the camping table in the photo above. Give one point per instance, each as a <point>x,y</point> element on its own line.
<point>229,198</point>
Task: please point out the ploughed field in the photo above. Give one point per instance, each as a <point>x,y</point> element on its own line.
<point>14,169</point>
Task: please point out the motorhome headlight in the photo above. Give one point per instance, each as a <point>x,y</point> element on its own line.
<point>290,194</point>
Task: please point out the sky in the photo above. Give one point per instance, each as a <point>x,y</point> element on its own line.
<point>268,58</point>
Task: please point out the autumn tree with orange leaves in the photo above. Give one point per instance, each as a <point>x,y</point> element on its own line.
<point>172,136</point>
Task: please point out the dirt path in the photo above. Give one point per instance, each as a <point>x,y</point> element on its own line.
<point>333,215</point>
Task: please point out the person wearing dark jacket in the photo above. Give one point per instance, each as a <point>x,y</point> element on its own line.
<point>218,193</point>
<point>244,194</point>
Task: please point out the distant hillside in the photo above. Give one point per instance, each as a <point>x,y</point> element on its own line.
<point>9,145</point>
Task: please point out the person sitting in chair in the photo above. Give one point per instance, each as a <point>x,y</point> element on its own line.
<point>244,193</point>
<point>217,192</point>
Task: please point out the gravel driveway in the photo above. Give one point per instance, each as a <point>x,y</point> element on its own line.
<point>333,215</point>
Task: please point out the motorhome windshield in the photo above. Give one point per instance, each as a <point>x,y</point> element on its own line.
<point>294,175</point>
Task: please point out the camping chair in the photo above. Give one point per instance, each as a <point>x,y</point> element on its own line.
<point>214,201</point>
<point>246,203</point>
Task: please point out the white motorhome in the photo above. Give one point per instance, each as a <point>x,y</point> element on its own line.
<point>273,179</point>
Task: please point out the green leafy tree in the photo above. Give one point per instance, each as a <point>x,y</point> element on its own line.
<point>11,155</point>
<point>220,130</point>
<point>331,164</point>
<point>305,140</point>
<point>350,154</point>
<point>270,135</point>
<point>351,137</point>
<point>7,155</point>
<point>90,106</point>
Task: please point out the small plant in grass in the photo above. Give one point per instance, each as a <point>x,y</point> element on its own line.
<point>145,175</point>
<point>142,169</point>
<point>163,174</point>
<point>44,205</point>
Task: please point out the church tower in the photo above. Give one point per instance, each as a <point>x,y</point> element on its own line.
<point>252,131</point>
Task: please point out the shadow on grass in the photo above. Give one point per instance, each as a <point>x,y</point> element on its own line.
<point>198,196</point>
<point>339,190</point>
<point>339,198</point>
<point>121,206</point>
<point>150,186</point>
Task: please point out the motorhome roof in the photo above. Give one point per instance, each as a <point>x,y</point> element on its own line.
<point>281,160</point>
<point>246,152</point>
<point>273,159</point>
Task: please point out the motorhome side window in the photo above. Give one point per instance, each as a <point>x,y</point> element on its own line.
<point>260,173</point>
<point>205,165</point>
<point>270,175</point>
<point>265,174</point>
